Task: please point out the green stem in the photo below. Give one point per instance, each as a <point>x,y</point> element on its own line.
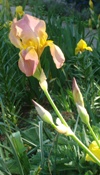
<point>86,149</point>
<point>41,142</point>
<point>93,134</point>
<point>64,122</point>
<point>55,108</point>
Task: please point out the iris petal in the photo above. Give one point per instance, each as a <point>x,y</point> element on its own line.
<point>28,61</point>
<point>15,40</point>
<point>58,56</point>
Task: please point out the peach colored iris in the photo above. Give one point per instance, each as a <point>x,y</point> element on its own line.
<point>29,35</point>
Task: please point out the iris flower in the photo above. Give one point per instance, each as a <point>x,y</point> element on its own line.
<point>19,11</point>
<point>91,4</point>
<point>93,147</point>
<point>29,35</point>
<point>81,46</point>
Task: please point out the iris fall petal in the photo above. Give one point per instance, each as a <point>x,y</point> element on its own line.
<point>58,56</point>
<point>28,61</point>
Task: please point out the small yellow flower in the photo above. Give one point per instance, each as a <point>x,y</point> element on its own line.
<point>91,4</point>
<point>81,46</point>
<point>19,11</point>
<point>93,147</point>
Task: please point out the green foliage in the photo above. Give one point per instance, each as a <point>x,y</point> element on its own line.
<point>28,146</point>
<point>12,83</point>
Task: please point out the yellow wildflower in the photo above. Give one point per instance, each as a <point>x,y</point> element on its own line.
<point>91,4</point>
<point>81,46</point>
<point>93,147</point>
<point>19,11</point>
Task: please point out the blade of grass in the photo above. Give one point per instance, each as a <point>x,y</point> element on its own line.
<point>41,141</point>
<point>15,155</point>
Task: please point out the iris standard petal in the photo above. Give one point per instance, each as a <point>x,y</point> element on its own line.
<point>24,31</point>
<point>28,61</point>
<point>15,40</point>
<point>29,28</point>
<point>82,44</point>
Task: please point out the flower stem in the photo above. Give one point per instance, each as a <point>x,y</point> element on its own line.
<point>55,108</point>
<point>44,88</point>
<point>93,134</point>
<point>85,149</point>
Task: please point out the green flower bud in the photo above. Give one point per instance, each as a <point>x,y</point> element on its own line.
<point>43,113</point>
<point>83,114</point>
<point>78,98</point>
